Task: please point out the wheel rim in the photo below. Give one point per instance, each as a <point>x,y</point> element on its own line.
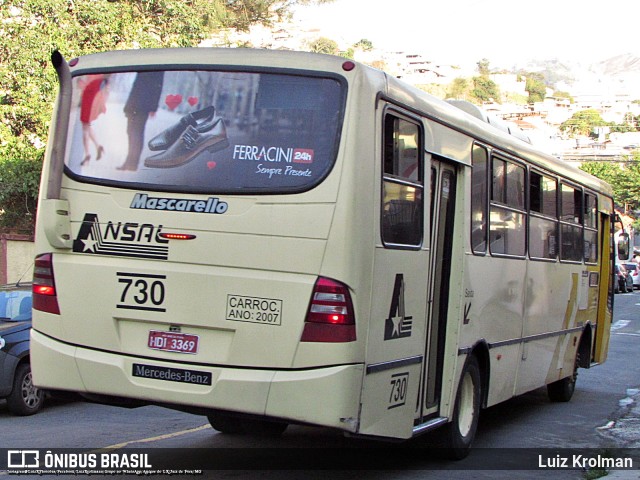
<point>466,413</point>
<point>30,394</point>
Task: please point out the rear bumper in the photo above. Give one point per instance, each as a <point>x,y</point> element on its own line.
<point>323,396</point>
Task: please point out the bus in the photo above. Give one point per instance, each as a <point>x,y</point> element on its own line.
<point>271,238</point>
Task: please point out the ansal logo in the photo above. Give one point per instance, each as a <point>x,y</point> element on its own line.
<point>398,324</point>
<point>123,239</point>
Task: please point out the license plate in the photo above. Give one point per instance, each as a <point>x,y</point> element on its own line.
<point>173,342</point>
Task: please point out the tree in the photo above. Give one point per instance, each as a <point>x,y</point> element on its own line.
<point>459,89</point>
<point>485,89</point>
<point>623,178</point>
<point>364,45</point>
<point>606,171</point>
<point>324,45</point>
<point>483,67</point>
<point>31,29</point>
<point>19,194</point>
<point>583,122</point>
<point>562,94</point>
<point>626,186</point>
<point>535,87</point>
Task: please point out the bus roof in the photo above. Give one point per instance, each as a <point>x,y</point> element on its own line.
<point>412,97</point>
<point>455,117</point>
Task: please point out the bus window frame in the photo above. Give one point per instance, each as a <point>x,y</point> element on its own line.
<point>540,215</point>
<point>218,68</point>
<point>505,206</point>
<point>394,111</point>
<point>566,223</point>
<point>484,197</point>
<point>592,229</point>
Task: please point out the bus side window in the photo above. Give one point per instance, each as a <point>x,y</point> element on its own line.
<point>479,200</point>
<point>403,184</point>
<point>508,217</point>
<point>571,234</point>
<point>543,221</point>
<point>590,228</point>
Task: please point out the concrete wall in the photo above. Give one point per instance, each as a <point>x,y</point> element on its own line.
<point>16,258</point>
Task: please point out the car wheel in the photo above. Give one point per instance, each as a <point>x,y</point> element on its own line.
<point>25,398</point>
<point>459,434</point>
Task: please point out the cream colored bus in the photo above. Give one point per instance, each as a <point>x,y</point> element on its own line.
<point>271,238</point>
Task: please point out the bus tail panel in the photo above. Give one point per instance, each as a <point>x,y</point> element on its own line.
<point>289,395</point>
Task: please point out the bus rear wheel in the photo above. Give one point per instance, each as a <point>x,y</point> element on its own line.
<point>246,426</point>
<point>461,431</point>
<point>562,390</point>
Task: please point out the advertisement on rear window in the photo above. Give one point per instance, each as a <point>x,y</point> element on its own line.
<point>202,131</point>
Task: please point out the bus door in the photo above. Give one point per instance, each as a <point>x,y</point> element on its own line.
<point>443,199</point>
<point>605,292</point>
<point>397,319</point>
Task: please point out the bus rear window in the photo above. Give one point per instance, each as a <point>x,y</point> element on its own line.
<point>204,131</point>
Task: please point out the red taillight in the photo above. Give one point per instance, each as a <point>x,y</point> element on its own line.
<point>330,317</point>
<point>177,236</point>
<point>45,296</point>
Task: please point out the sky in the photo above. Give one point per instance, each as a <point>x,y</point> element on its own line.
<point>506,32</point>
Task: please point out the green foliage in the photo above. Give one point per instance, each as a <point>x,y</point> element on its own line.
<point>561,94</point>
<point>19,193</point>
<point>606,171</point>
<point>483,67</point>
<point>30,30</point>
<point>536,88</point>
<point>348,53</point>
<point>583,122</point>
<point>485,90</point>
<point>458,89</point>
<point>324,45</point>
<point>623,178</point>
<point>364,45</point>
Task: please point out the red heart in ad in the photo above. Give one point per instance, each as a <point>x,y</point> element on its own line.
<point>211,165</point>
<point>192,100</point>
<point>173,101</point>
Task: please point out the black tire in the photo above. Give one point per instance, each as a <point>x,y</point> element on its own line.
<point>266,428</point>
<point>459,434</point>
<point>562,390</point>
<point>239,426</point>
<point>25,398</point>
<point>225,424</point>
